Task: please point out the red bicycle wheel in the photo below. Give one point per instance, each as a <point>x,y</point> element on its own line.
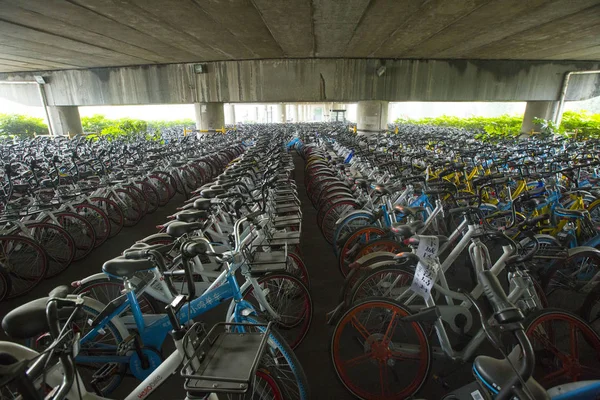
<point>567,348</point>
<point>376,355</point>
<point>352,244</point>
<point>97,218</point>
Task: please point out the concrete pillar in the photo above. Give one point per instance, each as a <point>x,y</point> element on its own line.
<point>65,120</point>
<point>229,114</point>
<point>300,112</point>
<point>372,116</point>
<point>294,112</point>
<point>279,114</point>
<point>209,115</point>
<point>254,114</point>
<point>537,109</point>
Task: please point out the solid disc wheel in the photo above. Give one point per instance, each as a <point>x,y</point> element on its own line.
<point>290,299</point>
<point>376,355</point>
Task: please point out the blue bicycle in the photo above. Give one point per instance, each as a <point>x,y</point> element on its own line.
<point>106,340</point>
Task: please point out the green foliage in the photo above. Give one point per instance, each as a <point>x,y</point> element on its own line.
<point>580,124</point>
<point>22,126</point>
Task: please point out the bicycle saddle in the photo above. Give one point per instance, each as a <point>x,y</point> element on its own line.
<point>212,192</point>
<point>191,215</point>
<point>408,210</point>
<point>566,213</point>
<point>125,268</point>
<point>494,373</point>
<point>202,204</point>
<point>406,230</point>
<point>178,228</point>
<point>29,320</point>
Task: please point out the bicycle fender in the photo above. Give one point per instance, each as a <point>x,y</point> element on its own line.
<point>356,212</point>
<point>91,278</point>
<point>375,254</point>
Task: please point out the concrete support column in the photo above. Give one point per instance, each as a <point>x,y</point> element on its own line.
<point>254,114</point>
<point>301,117</point>
<point>229,114</point>
<point>537,109</point>
<point>294,112</point>
<point>209,115</point>
<point>372,116</point>
<point>279,113</point>
<point>65,120</point>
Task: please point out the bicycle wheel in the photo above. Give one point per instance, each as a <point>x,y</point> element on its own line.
<point>352,244</point>
<point>162,189</point>
<point>377,356</point>
<point>333,214</point>
<point>5,283</point>
<point>57,243</point>
<point>138,195</point>
<point>131,208</point>
<point>281,360</point>
<point>81,231</point>
<point>290,299</point>
<point>105,344</point>
<point>97,218</point>
<point>25,261</point>
<point>151,196</point>
<point>105,290</point>
<point>350,224</point>
<point>112,211</point>
<point>566,347</point>
<point>388,281</point>
<point>296,267</point>
<point>566,283</point>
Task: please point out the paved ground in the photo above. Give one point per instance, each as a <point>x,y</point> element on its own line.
<point>325,283</point>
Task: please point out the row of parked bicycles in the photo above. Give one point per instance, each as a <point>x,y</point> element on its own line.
<point>234,241</point>
<point>62,198</point>
<point>427,223</point>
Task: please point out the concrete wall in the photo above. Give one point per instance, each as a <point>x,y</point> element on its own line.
<point>310,80</point>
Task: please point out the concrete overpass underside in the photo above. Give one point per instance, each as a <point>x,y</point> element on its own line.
<point>61,34</point>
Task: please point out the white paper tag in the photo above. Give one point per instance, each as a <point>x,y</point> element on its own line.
<point>427,269</point>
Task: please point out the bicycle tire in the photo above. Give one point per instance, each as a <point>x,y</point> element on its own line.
<point>376,351</point>
<point>97,218</point>
<point>285,363</point>
<point>280,289</point>
<point>351,244</point>
<point>131,209</point>
<point>81,230</point>
<point>137,193</point>
<point>151,196</point>
<point>18,254</point>
<point>5,283</point>
<point>57,242</point>
<point>112,211</point>
<point>547,344</point>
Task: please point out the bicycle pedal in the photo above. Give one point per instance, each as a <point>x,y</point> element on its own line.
<point>105,372</point>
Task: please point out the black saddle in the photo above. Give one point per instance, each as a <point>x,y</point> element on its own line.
<point>566,213</point>
<point>407,230</point>
<point>202,204</point>
<point>29,320</point>
<point>178,228</point>
<point>496,373</point>
<point>191,215</point>
<point>408,210</point>
<point>125,268</point>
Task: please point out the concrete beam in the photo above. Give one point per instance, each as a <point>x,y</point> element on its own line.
<point>310,80</point>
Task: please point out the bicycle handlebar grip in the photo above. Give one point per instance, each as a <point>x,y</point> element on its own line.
<point>504,311</point>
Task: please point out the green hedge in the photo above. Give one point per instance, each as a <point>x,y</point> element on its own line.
<point>127,127</point>
<point>22,126</point>
<point>583,124</point>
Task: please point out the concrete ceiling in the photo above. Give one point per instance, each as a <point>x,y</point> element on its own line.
<point>66,34</point>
